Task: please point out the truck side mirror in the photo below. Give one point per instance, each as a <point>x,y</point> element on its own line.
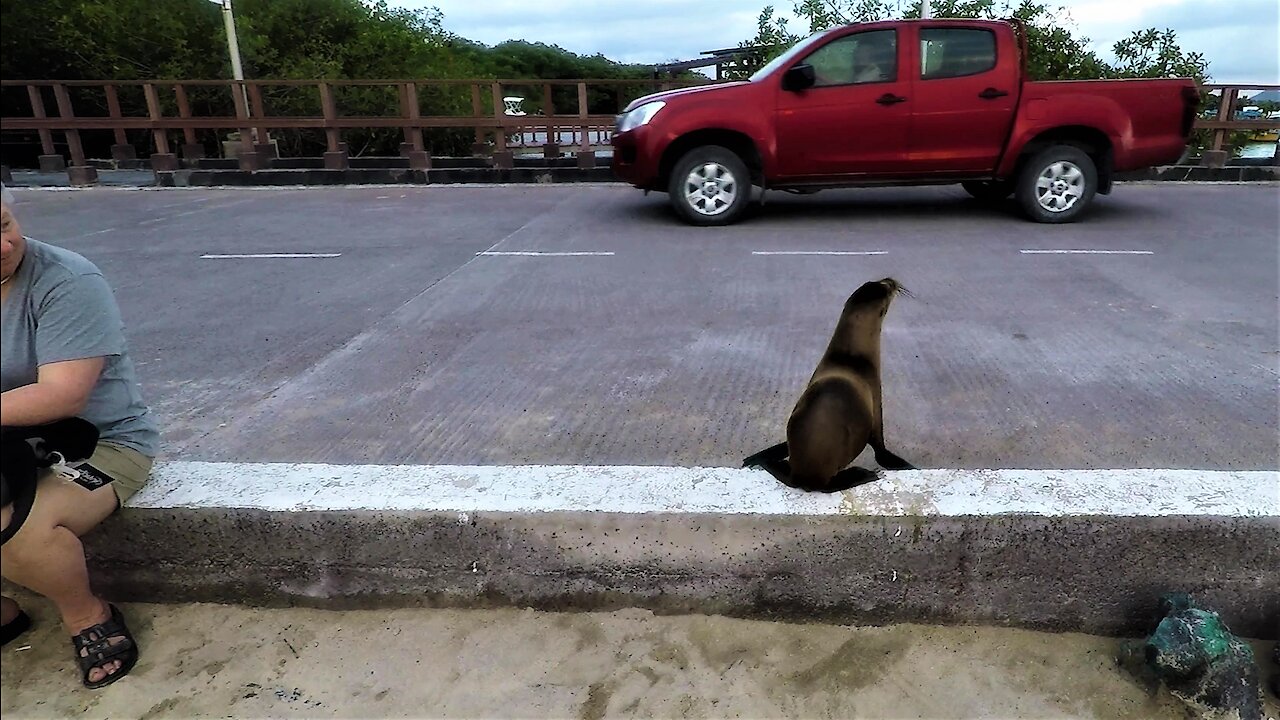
<point>799,77</point>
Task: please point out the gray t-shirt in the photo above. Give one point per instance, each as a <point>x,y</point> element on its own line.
<point>61,308</point>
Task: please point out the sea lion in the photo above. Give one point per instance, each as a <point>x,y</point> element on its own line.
<point>840,411</point>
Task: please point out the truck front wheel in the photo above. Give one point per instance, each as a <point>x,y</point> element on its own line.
<point>710,185</point>
<point>1057,184</point>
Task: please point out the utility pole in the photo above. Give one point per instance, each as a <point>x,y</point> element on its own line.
<point>926,11</point>
<point>233,43</point>
<point>233,49</point>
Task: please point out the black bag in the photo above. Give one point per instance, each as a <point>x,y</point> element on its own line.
<point>25,451</point>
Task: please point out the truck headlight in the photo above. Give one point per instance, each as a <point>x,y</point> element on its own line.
<point>640,116</point>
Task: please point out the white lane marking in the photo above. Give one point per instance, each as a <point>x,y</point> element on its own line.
<point>1086,252</point>
<point>189,212</point>
<point>819,252</point>
<point>539,253</point>
<point>256,256</point>
<point>640,489</point>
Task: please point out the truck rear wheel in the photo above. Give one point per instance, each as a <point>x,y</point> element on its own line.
<point>1057,184</point>
<point>710,185</point>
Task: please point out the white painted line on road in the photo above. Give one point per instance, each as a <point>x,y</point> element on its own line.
<point>1086,252</point>
<point>256,256</point>
<point>288,487</point>
<point>538,253</point>
<point>819,252</point>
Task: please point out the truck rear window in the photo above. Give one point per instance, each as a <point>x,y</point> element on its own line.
<point>956,52</point>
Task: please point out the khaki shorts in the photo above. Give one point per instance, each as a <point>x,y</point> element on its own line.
<point>128,468</point>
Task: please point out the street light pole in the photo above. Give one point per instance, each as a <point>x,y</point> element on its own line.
<point>926,11</point>
<point>233,43</point>
<point>233,49</point>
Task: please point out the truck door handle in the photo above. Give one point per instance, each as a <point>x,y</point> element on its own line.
<point>992,94</point>
<point>890,99</point>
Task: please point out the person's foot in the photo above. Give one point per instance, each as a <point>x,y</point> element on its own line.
<point>86,633</point>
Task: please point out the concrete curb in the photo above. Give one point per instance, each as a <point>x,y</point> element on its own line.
<point>561,174</point>
<point>713,540</point>
<point>303,173</point>
<point>1198,173</point>
<point>382,176</point>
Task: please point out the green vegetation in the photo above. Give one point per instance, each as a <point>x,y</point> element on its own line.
<point>288,39</point>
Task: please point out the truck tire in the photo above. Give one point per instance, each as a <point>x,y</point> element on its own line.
<point>1057,184</point>
<point>709,185</point>
<point>988,191</point>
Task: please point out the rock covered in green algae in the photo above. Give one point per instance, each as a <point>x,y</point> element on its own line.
<point>1202,663</point>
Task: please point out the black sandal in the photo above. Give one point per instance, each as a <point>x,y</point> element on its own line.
<point>15,627</point>
<point>94,649</point>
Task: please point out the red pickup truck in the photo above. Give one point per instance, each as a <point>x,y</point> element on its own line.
<point>908,102</point>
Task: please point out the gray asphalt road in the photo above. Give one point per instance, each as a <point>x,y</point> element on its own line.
<point>684,346</point>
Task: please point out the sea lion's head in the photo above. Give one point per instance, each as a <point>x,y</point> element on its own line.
<point>873,298</point>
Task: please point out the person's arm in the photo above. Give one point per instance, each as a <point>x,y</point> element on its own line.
<point>61,390</point>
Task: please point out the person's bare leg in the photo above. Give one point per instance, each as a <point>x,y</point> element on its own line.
<point>46,556</point>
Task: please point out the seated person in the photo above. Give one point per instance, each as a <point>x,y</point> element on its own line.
<point>62,355</point>
<point>874,61</point>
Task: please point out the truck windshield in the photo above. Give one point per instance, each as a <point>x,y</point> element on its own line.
<point>787,56</point>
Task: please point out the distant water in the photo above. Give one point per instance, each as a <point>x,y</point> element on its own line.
<point>1258,150</point>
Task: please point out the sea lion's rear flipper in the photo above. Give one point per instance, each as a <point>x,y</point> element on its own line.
<point>851,477</point>
<point>768,455</point>
<point>890,461</point>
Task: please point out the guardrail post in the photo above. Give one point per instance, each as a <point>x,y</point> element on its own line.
<point>586,156</point>
<point>550,148</point>
<point>413,147</point>
<point>191,149</point>
<point>335,156</point>
<point>267,150</point>
<point>121,151</point>
<point>479,147</point>
<point>248,154</point>
<point>1215,156</point>
<point>51,160</point>
<point>79,173</point>
<point>162,160</point>
<point>502,157</point>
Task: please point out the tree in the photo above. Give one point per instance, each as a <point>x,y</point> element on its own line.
<point>1153,53</point>
<point>284,39</point>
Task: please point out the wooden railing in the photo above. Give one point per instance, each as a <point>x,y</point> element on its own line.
<point>496,126</point>
<point>1226,121</point>
<point>476,107</point>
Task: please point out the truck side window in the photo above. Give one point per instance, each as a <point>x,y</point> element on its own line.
<point>956,52</point>
<point>867,57</point>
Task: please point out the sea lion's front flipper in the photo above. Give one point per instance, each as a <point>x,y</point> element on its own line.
<point>769,454</point>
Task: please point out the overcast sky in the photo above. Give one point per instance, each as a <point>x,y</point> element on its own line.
<point>1238,36</point>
